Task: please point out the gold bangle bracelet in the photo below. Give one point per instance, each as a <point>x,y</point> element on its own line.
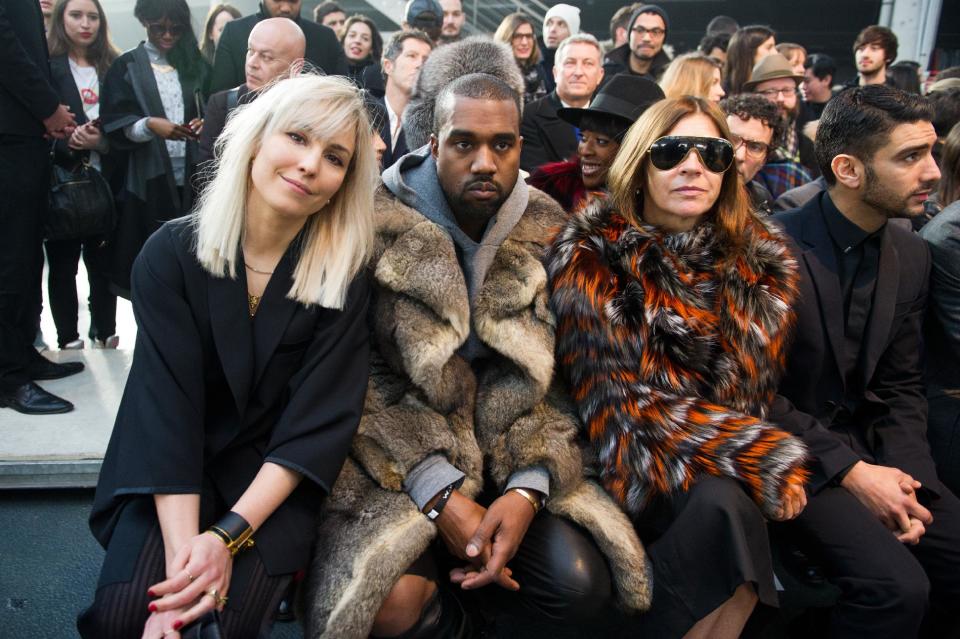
<point>529,497</point>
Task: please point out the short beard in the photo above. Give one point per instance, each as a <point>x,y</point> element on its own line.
<point>883,199</point>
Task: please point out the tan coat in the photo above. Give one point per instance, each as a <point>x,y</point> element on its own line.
<point>424,398</point>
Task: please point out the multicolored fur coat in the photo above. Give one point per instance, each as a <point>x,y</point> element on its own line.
<point>673,352</point>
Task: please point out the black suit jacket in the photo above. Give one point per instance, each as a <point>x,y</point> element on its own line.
<point>889,427</point>
<point>213,394</point>
<point>323,50</point>
<point>215,118</point>
<point>27,95</point>
<point>546,138</point>
<point>391,156</point>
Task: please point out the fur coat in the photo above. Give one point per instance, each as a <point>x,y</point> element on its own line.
<point>673,348</point>
<point>476,54</point>
<point>423,399</point>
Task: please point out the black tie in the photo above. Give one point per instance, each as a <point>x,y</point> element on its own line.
<point>861,302</point>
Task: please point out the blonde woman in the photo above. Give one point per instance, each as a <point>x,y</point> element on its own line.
<point>693,74</point>
<point>248,376</point>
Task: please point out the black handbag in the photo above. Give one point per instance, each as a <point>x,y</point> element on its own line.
<point>80,202</point>
<point>206,627</point>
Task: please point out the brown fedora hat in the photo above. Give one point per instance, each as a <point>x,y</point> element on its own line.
<point>772,67</point>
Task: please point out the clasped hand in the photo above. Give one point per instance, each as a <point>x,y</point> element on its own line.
<point>201,566</point>
<point>168,130</point>
<point>890,494</point>
<point>487,538</point>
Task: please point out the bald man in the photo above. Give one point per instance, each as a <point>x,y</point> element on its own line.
<point>276,47</point>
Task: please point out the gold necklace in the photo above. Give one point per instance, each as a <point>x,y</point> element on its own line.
<point>253,303</point>
<point>256,271</point>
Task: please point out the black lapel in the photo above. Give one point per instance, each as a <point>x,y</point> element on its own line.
<point>821,261</point>
<point>67,87</point>
<point>559,135</point>
<point>230,320</point>
<point>145,88</point>
<point>884,302</point>
<point>275,311</point>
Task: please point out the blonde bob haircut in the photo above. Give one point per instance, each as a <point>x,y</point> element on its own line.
<point>337,240</point>
<point>690,74</point>
<point>629,172</point>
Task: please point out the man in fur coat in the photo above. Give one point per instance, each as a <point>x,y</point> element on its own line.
<point>463,438</point>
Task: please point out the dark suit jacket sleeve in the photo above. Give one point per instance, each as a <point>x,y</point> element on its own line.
<point>829,455</point>
<point>944,243</point>
<point>213,122</point>
<point>20,75</point>
<point>228,59</point>
<point>316,428</point>
<point>326,50</point>
<point>158,440</point>
<point>898,382</point>
<point>533,154</point>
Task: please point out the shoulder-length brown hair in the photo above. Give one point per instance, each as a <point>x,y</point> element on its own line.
<point>690,74</point>
<point>376,40</point>
<point>207,47</point>
<point>101,53</point>
<point>949,190</point>
<point>508,27</point>
<point>628,174</point>
<point>740,54</point>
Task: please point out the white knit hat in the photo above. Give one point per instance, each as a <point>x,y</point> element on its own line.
<point>567,13</point>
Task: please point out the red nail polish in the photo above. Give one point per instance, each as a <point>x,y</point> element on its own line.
<point>150,593</point>
<point>177,625</point>
<point>152,607</point>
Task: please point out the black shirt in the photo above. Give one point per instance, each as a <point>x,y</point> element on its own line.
<point>858,261</point>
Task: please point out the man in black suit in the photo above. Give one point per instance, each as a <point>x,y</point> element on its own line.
<point>578,71</point>
<point>885,527</point>
<point>29,109</point>
<point>273,47</point>
<point>323,48</point>
<point>404,55</point>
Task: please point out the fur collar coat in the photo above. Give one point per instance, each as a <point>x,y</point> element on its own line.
<point>423,398</point>
<point>673,348</point>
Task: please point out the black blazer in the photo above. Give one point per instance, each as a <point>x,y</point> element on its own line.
<point>212,394</point>
<point>27,95</point>
<point>323,50</point>
<point>546,138</point>
<point>215,118</point>
<point>889,427</point>
<point>391,156</point>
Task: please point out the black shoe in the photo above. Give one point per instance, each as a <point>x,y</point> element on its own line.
<point>30,399</point>
<point>43,368</point>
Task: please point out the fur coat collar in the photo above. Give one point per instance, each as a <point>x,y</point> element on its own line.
<point>674,348</point>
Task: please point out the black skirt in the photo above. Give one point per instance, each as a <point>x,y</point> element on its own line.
<point>703,544</point>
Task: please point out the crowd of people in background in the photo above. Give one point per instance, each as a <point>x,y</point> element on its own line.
<point>503,250</point>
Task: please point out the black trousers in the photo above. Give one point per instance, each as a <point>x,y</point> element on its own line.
<point>135,561</point>
<point>887,588</point>
<point>63,257</point>
<point>24,177</point>
<point>563,577</point>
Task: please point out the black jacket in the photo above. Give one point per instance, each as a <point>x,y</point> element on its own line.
<point>618,61</point>
<point>215,118</point>
<point>546,138</point>
<point>213,394</point>
<point>27,96</point>
<point>323,50</point>
<point>889,426</point>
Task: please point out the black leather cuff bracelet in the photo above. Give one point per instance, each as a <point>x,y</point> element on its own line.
<point>234,531</point>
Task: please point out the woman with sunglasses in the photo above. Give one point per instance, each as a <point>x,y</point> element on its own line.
<point>248,375</point>
<point>151,110</point>
<point>673,309</point>
<point>80,54</point>
<point>517,31</point>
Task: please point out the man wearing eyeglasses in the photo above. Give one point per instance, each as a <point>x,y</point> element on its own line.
<point>643,53</point>
<point>793,162</point>
<point>754,124</point>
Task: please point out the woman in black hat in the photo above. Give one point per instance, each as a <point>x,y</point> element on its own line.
<point>601,127</point>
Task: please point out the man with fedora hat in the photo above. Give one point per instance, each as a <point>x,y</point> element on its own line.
<point>793,162</point>
<point>602,127</point>
<point>577,71</point>
<point>643,53</point>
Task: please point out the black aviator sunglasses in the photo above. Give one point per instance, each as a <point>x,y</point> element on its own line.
<point>716,154</point>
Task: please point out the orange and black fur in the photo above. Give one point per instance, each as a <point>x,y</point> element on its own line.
<point>673,347</point>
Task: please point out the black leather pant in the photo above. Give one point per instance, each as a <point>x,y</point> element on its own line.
<point>563,577</point>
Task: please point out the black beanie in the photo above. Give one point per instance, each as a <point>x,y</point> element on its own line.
<point>651,8</point>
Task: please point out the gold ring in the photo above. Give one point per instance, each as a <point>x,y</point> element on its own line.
<point>218,600</point>
<point>190,577</point>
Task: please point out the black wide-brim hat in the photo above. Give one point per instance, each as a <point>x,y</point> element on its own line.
<point>624,98</point>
